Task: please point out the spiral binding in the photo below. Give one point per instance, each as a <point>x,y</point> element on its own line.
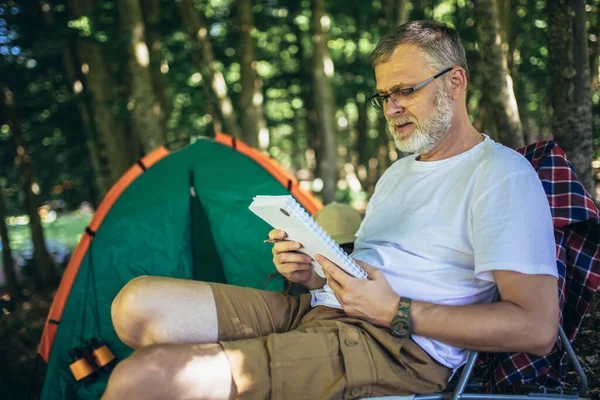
<point>311,224</point>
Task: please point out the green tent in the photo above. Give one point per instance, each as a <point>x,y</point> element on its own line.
<point>180,214</point>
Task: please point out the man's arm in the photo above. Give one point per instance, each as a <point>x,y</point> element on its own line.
<point>525,320</point>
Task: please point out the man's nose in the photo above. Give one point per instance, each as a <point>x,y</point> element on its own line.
<point>391,109</point>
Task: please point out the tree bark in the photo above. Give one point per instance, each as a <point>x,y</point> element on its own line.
<point>583,132</point>
<point>145,109</point>
<point>401,12</point>
<point>570,90</point>
<point>251,96</point>
<point>41,257</point>
<point>362,141</point>
<point>498,84</point>
<point>78,85</point>
<point>312,127</point>
<point>324,100</point>
<point>113,152</point>
<point>152,18</point>
<point>8,263</point>
<point>595,52</point>
<point>195,23</point>
<point>382,148</point>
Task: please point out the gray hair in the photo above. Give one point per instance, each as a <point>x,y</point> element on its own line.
<point>440,44</point>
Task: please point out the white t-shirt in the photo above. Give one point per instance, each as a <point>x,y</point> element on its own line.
<point>438,229</point>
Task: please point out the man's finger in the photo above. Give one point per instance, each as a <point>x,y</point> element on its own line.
<point>334,285</point>
<point>292,257</point>
<point>289,268</point>
<point>333,270</point>
<point>371,271</point>
<point>277,234</point>
<point>286,245</point>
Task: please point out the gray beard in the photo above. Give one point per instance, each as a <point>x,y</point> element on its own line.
<point>429,133</point>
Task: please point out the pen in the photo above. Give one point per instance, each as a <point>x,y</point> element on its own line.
<point>271,240</point>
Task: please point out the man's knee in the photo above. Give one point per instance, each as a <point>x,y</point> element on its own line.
<point>131,311</point>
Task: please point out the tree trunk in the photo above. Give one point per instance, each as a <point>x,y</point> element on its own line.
<point>195,24</point>
<point>570,90</point>
<point>595,52</point>
<point>498,86</point>
<point>152,19</point>
<point>145,109</point>
<point>583,132</point>
<point>363,147</point>
<point>211,98</point>
<point>508,33</point>
<point>362,142</point>
<point>78,85</point>
<point>324,100</point>
<point>113,152</point>
<point>251,96</point>
<point>312,131</point>
<point>401,12</point>
<point>41,257</point>
<point>382,148</point>
<point>8,263</point>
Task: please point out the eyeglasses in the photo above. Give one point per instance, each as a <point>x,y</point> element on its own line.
<point>379,100</point>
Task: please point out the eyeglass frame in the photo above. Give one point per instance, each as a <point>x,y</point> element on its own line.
<point>408,91</point>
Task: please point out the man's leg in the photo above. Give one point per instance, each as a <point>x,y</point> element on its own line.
<point>151,310</point>
<point>176,371</point>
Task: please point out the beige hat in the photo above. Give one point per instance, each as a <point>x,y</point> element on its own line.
<point>340,221</point>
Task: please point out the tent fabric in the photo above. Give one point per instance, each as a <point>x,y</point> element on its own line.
<point>145,226</point>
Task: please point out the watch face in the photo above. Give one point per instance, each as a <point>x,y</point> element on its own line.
<point>401,327</point>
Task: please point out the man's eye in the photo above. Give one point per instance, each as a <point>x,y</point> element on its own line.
<point>406,92</point>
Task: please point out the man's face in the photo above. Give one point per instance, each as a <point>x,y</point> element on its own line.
<point>420,122</point>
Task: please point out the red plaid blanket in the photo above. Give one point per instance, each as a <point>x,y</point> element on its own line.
<point>577,232</point>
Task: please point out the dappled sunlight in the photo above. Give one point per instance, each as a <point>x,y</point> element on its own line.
<point>219,85</point>
<point>325,22</point>
<point>205,374</point>
<point>328,66</point>
<point>257,99</point>
<point>263,138</point>
<point>77,86</point>
<point>141,54</point>
<point>238,358</point>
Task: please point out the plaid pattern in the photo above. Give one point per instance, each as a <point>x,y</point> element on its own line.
<point>577,233</point>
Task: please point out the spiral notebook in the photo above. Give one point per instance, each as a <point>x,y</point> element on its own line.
<point>285,213</point>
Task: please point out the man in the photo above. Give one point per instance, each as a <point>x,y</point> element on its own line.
<point>442,231</point>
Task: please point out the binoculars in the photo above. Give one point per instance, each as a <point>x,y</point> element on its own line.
<point>87,362</point>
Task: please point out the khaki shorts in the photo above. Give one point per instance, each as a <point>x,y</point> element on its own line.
<point>279,347</point>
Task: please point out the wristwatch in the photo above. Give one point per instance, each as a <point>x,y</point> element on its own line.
<point>400,325</point>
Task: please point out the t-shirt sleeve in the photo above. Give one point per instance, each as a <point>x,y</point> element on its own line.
<point>512,228</point>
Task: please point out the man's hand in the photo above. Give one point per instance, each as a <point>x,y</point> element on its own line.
<point>293,265</point>
<point>371,299</point>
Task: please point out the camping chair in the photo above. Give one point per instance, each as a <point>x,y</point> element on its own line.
<point>577,232</point>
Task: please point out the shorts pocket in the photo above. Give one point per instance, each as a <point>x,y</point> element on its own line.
<point>305,365</point>
<point>358,363</point>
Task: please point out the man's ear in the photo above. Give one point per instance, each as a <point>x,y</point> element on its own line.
<point>458,82</point>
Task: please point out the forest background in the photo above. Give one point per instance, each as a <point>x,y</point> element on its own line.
<point>89,86</point>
